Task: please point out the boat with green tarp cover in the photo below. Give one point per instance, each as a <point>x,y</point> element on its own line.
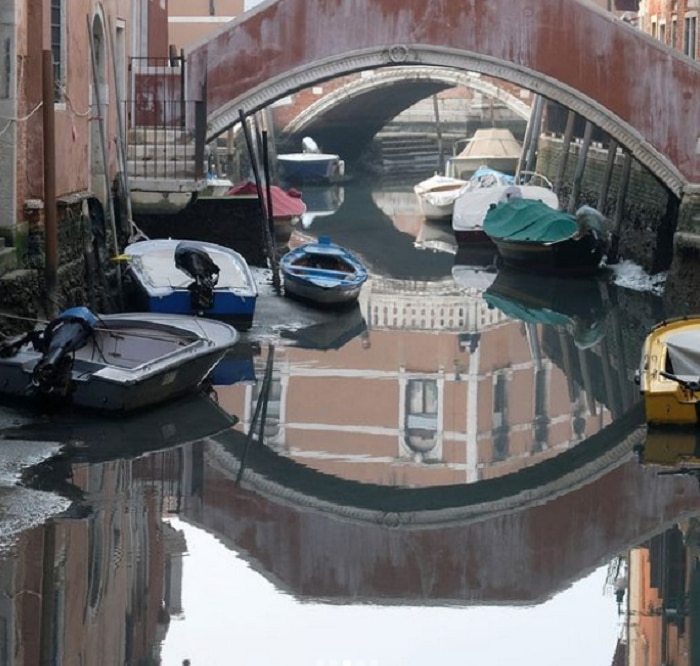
<point>529,235</point>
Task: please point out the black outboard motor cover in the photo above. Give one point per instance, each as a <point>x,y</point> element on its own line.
<point>195,262</point>
<point>64,335</point>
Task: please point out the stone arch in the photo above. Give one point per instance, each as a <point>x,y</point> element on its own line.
<point>570,51</point>
<point>387,78</point>
<point>588,108</point>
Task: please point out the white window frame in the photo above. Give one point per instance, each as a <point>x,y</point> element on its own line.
<point>60,68</point>
<point>690,48</point>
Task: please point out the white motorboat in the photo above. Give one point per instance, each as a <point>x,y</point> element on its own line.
<point>113,362</point>
<point>437,195</point>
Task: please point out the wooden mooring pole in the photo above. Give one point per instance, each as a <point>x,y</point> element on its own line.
<point>564,155</point>
<point>50,229</point>
<point>580,167</point>
<point>269,242</point>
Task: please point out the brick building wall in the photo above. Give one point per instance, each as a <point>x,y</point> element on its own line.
<point>673,23</point>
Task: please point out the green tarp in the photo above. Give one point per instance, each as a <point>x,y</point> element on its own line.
<point>529,220</point>
<point>518,310</point>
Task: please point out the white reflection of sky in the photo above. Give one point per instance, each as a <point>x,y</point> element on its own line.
<point>232,615</point>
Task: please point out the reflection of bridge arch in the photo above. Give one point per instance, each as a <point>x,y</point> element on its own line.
<point>521,556</point>
<point>380,80</point>
<point>290,482</point>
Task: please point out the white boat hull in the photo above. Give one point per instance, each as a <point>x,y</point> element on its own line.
<point>471,208</point>
<point>133,361</point>
<point>437,195</point>
<point>311,167</point>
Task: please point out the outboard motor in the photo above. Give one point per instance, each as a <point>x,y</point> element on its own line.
<point>64,335</point>
<point>195,262</point>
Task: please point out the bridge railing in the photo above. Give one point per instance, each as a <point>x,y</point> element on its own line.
<point>166,132</point>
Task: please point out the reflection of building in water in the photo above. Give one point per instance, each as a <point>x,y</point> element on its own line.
<point>90,586</point>
<point>406,216</point>
<point>402,208</point>
<point>321,201</point>
<point>444,390</point>
<point>420,306</point>
<point>662,608</point>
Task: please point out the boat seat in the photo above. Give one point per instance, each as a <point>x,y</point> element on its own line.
<point>83,367</point>
<point>324,271</point>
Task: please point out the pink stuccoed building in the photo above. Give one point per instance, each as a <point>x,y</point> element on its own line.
<point>77,33</point>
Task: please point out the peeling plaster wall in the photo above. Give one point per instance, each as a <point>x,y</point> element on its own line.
<point>8,111</point>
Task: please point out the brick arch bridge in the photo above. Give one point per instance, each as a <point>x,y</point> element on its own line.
<point>381,97</point>
<point>567,50</point>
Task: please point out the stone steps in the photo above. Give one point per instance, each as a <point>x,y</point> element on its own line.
<point>414,154</point>
<point>160,153</point>
<point>148,135</point>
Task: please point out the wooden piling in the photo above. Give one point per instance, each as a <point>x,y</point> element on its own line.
<point>50,224</point>
<point>580,166</point>
<point>438,133</point>
<point>535,125</point>
<point>607,176</point>
<point>564,155</point>
<point>620,204</point>
<point>269,243</point>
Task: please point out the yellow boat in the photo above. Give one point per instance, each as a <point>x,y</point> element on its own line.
<point>671,448</point>
<point>669,372</point>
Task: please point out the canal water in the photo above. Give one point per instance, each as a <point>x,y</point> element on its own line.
<point>455,470</point>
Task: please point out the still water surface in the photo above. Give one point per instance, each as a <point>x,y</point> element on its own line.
<point>453,471</point>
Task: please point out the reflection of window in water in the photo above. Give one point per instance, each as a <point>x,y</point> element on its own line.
<point>4,641</point>
<point>421,416</point>
<point>541,418</point>
<point>58,624</point>
<point>500,419</point>
<point>274,405</point>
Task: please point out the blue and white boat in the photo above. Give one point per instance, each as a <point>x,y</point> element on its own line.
<point>323,273</point>
<point>192,277</point>
<point>311,165</point>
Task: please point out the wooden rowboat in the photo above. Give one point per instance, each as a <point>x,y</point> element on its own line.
<point>323,273</point>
